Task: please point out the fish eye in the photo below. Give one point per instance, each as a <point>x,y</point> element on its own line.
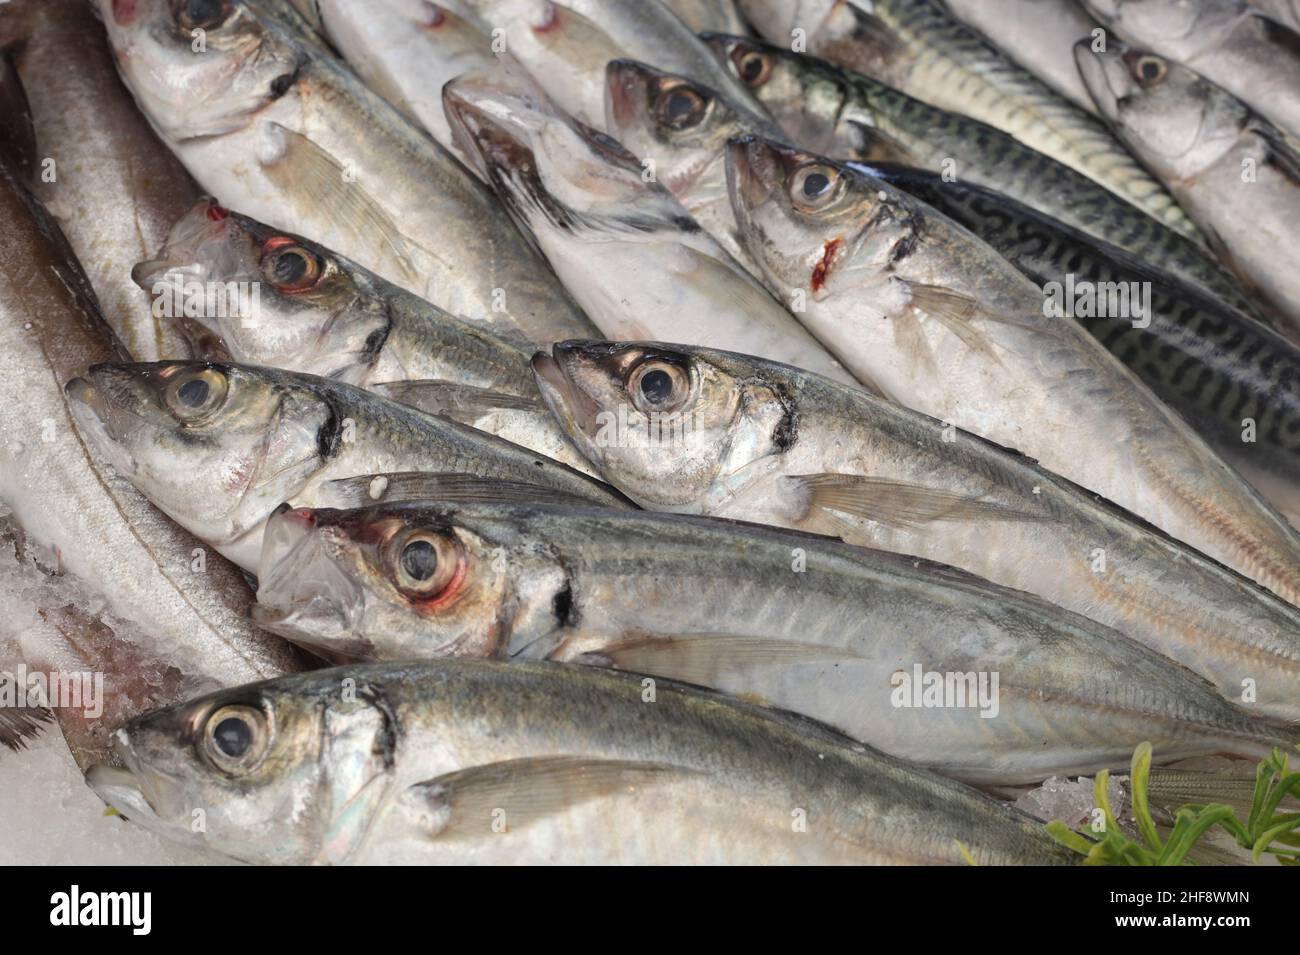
<point>426,565</point>
<point>290,267</point>
<point>753,68</point>
<point>204,14</point>
<point>195,395</point>
<point>1149,70</point>
<point>235,738</point>
<point>658,385</point>
<point>680,107</point>
<point>815,186</point>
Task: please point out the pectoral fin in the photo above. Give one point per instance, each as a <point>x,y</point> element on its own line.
<point>507,796</point>
<point>302,168</point>
<point>896,503</point>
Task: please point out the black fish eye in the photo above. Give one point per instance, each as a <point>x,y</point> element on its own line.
<point>290,267</point>
<point>815,184</point>
<point>233,736</point>
<point>1150,69</point>
<point>751,68</point>
<point>419,560</point>
<point>194,393</point>
<point>656,386</point>
<point>205,14</point>
<point>680,107</point>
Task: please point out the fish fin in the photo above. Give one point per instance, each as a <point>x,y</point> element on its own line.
<point>700,658</point>
<point>954,310</point>
<point>898,503</point>
<point>18,725</point>
<point>367,489</point>
<point>302,164</point>
<point>871,144</point>
<point>17,133</point>
<point>456,401</point>
<point>518,792</point>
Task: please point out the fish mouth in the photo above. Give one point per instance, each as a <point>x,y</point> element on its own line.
<point>146,797</point>
<point>568,402</point>
<point>204,223</point>
<point>98,422</point>
<point>304,594</point>
<point>1105,76</point>
<point>754,167</point>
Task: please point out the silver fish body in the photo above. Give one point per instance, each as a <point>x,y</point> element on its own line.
<point>220,447</point>
<point>826,109</point>
<point>697,599</point>
<point>111,184</point>
<point>940,322</point>
<point>778,446</point>
<point>1237,174</point>
<point>1255,58</point>
<point>289,303</point>
<point>471,761</point>
<point>919,48</point>
<point>269,123</point>
<point>628,251</point>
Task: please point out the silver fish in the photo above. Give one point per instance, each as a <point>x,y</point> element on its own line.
<point>1236,173</point>
<point>627,251</point>
<point>776,445</point>
<point>941,323</point>
<point>459,761</point>
<point>111,184</point>
<point>219,447</point>
<point>919,48</point>
<point>696,599</point>
<point>1232,45</point>
<point>287,302</point>
<point>271,124</point>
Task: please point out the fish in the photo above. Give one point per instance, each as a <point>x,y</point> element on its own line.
<point>679,130</point>
<point>271,124</point>
<point>1233,170</point>
<point>627,251</point>
<point>1038,35</point>
<point>775,445</point>
<point>1233,380</point>
<point>289,303</point>
<point>460,761</point>
<point>406,51</point>
<point>111,184</point>
<point>835,112</point>
<point>941,323</point>
<point>1253,57</point>
<point>219,447</point>
<point>917,47</point>
<point>696,598</point>
<point>187,603</point>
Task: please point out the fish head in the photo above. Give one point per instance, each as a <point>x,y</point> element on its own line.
<point>389,581</point>
<point>809,222</point>
<point>1178,122</point>
<point>217,447</point>
<point>552,170</point>
<point>274,772</point>
<point>679,125</point>
<point>803,94</point>
<point>667,424</point>
<point>199,67</point>
<point>268,297</point>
